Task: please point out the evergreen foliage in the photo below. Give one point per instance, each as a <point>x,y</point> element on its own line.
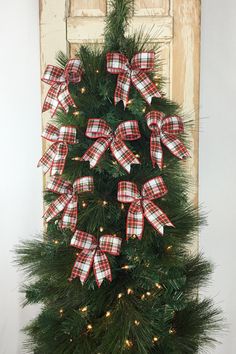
<point>152,305</point>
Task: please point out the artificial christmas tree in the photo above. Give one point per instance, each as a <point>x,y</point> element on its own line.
<point>113,272</point>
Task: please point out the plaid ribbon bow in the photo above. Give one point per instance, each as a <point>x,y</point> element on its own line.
<point>55,157</point>
<point>142,206</point>
<point>93,253</point>
<point>68,199</point>
<point>58,95</point>
<point>164,129</point>
<point>100,130</point>
<point>133,72</point>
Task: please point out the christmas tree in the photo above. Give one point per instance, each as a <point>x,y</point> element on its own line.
<point>113,271</point>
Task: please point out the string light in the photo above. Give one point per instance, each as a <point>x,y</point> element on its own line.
<point>82,90</point>
<point>137,155</point>
<point>148,293</point>
<point>76,113</point>
<point>120,295</point>
<point>144,110</point>
<point>172,331</point>
<point>104,202</point>
<point>125,267</point>
<point>133,237</point>
<point>143,297</point>
<point>89,327</point>
<point>101,229</point>
<point>128,343</point>
<point>61,311</point>
<point>114,162</point>
<point>77,158</point>
<point>169,248</point>
<point>130,101</point>
<point>97,71</point>
<point>158,286</point>
<point>84,309</point>
<point>108,314</point>
<point>122,206</point>
<point>84,204</point>
<point>56,242</point>
<point>155,339</point>
<point>137,323</point>
<point>71,340</point>
<point>77,254</point>
<point>130,291</point>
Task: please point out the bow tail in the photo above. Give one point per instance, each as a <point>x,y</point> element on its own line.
<point>64,97</point>
<point>135,222</point>
<point>58,163</point>
<point>156,151</point>
<point>95,152</point>
<point>69,217</point>
<point>123,155</point>
<point>157,218</point>
<point>82,265</point>
<point>51,100</point>
<point>175,145</point>
<point>122,88</point>
<point>145,86</point>
<point>56,207</point>
<point>46,160</point>
<point>101,268</point>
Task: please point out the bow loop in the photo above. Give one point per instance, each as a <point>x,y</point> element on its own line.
<point>154,188</point>
<point>128,130</point>
<point>133,72</point>
<point>164,130</point>
<point>68,200</point>
<point>55,157</point>
<point>93,253</point>
<point>142,206</point>
<point>143,61</point>
<point>98,128</point>
<point>59,79</point>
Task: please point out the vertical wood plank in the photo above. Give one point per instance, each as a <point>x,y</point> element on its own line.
<point>185,75</point>
<point>52,39</point>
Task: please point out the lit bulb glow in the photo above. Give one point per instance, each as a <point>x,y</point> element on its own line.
<point>101,229</point>
<point>125,267</point>
<point>104,202</point>
<point>84,309</point>
<point>128,343</point>
<point>108,314</point>
<point>83,90</point>
<point>137,323</point>
<point>155,339</point>
<point>130,291</point>
<point>120,296</point>
<point>89,327</point>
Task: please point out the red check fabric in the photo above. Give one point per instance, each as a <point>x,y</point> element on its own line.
<point>55,157</point>
<point>164,130</point>
<point>93,254</point>
<point>98,129</point>
<point>142,206</point>
<point>68,200</point>
<point>133,72</point>
<point>58,95</point>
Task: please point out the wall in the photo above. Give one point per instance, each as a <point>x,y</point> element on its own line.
<point>21,182</point>
<point>217,156</point>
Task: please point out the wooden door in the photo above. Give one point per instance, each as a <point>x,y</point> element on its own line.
<point>174,24</point>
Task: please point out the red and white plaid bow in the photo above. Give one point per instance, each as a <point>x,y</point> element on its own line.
<point>68,200</point>
<point>142,206</point>
<point>133,72</point>
<point>164,129</point>
<point>55,157</point>
<point>100,130</point>
<point>58,95</point>
<point>93,253</point>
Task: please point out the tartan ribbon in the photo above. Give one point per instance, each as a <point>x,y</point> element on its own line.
<point>55,157</point>
<point>133,72</point>
<point>98,129</point>
<point>93,254</point>
<point>58,95</point>
<point>142,206</point>
<point>164,130</point>
<point>68,199</point>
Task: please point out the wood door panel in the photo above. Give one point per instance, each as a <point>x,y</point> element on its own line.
<point>152,7</point>
<point>88,8</point>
